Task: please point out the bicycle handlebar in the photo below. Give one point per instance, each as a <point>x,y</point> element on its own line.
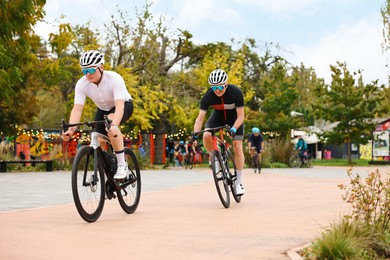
<point>212,130</point>
<point>106,121</point>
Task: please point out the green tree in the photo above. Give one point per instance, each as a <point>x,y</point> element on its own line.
<point>149,51</point>
<point>352,104</point>
<point>16,58</point>
<point>280,94</point>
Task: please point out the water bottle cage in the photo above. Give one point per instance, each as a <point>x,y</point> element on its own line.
<point>111,162</point>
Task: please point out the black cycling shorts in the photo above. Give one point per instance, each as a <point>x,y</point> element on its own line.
<point>128,111</point>
<point>216,121</point>
<point>258,148</point>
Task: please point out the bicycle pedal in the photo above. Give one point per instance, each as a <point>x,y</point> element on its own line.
<point>131,178</point>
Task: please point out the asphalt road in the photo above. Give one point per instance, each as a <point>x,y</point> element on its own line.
<point>179,216</point>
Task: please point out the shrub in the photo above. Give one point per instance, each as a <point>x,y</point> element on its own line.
<point>276,151</point>
<point>343,240</point>
<point>370,199</point>
<point>365,233</point>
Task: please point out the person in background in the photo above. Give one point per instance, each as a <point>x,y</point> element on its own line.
<point>256,143</point>
<point>301,146</point>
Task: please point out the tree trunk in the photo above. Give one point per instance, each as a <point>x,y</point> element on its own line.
<point>349,153</point>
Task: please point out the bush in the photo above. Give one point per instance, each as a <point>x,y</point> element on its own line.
<point>277,152</point>
<point>365,233</point>
<point>370,200</point>
<point>343,240</point>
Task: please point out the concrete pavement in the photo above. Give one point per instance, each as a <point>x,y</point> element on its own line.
<point>179,216</point>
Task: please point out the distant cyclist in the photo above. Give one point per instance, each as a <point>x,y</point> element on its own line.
<point>227,101</point>
<point>169,151</point>
<point>190,149</point>
<point>256,143</point>
<point>301,146</point>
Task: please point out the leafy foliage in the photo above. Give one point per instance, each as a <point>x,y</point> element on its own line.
<point>353,106</point>
<point>365,234</point>
<point>370,199</point>
<point>164,70</point>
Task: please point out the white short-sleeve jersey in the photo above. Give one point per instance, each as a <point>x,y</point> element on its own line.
<point>111,87</point>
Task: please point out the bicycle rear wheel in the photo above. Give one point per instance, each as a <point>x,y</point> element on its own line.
<point>295,161</point>
<point>221,181</point>
<point>130,194</point>
<point>87,187</point>
<point>309,162</point>
<point>231,166</point>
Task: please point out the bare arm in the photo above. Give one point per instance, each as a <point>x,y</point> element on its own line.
<point>199,121</point>
<point>240,118</point>
<point>75,116</point>
<point>119,110</point>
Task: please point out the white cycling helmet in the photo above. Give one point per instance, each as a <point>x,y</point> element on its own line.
<point>218,77</point>
<point>91,59</point>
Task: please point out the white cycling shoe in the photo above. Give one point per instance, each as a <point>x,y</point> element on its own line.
<point>121,172</point>
<point>240,190</point>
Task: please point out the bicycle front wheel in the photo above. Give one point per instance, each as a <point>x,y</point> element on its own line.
<point>130,194</point>
<point>220,179</point>
<point>295,161</point>
<point>191,161</point>
<point>87,186</point>
<point>255,163</point>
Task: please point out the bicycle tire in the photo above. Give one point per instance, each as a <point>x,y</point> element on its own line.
<point>89,199</point>
<point>233,175</point>
<point>309,162</point>
<point>259,166</point>
<point>191,161</point>
<point>221,182</point>
<point>130,194</point>
<point>295,161</point>
<point>255,162</point>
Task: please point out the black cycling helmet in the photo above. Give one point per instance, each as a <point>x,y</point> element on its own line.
<point>91,59</point>
<point>218,77</point>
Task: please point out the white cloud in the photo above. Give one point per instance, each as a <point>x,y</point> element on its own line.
<point>359,45</point>
<point>282,7</point>
<point>203,12</point>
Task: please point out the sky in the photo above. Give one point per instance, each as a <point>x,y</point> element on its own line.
<point>317,33</point>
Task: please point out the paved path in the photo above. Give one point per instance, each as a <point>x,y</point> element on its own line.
<point>179,216</point>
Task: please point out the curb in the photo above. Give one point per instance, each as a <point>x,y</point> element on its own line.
<point>293,252</point>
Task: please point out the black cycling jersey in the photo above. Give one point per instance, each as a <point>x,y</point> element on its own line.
<point>255,141</point>
<point>224,107</point>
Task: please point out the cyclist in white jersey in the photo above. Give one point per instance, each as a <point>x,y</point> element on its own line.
<point>108,91</point>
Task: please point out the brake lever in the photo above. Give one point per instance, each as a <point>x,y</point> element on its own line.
<point>108,123</point>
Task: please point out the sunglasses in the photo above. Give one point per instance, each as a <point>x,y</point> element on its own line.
<point>89,70</point>
<point>214,88</point>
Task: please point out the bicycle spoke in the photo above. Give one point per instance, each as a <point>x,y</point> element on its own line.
<point>88,191</point>
<point>130,194</point>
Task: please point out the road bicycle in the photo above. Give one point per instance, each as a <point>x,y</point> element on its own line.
<point>189,161</point>
<point>223,166</point>
<point>170,159</point>
<point>256,163</point>
<point>93,173</point>
<point>297,162</point>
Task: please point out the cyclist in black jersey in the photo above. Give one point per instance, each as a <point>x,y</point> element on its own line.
<point>227,101</point>
<point>255,141</point>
